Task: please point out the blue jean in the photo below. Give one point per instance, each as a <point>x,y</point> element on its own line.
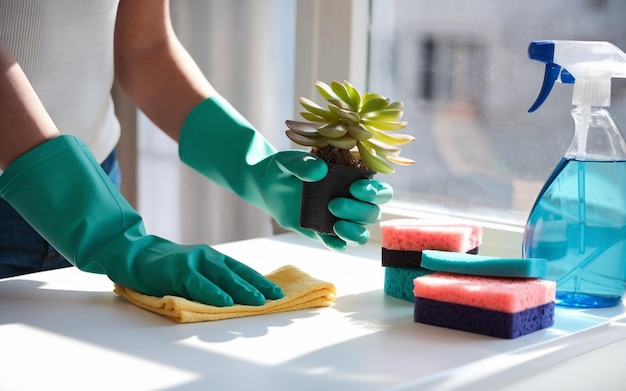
<point>22,249</point>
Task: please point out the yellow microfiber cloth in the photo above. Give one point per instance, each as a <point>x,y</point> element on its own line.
<point>301,292</point>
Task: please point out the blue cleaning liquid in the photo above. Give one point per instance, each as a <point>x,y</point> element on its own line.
<point>578,223</point>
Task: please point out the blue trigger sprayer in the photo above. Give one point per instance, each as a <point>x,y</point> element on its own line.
<point>578,222</point>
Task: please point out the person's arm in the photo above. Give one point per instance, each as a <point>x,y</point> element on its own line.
<point>162,79</point>
<point>24,122</point>
<point>56,185</point>
<point>152,66</point>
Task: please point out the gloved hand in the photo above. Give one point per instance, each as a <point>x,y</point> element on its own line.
<point>63,193</point>
<point>223,146</point>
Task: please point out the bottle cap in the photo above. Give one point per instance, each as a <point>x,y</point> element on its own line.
<point>589,65</point>
<point>592,93</point>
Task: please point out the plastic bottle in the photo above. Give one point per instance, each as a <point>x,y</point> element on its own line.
<point>578,222</point>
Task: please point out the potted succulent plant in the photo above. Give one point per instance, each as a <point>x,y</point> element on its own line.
<point>356,135</point>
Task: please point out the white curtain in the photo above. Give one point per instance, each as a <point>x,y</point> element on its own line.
<point>245,48</point>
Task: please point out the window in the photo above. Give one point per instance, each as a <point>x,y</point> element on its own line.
<point>444,63</point>
<point>462,70</point>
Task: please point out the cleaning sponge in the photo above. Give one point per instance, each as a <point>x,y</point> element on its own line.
<point>403,241</point>
<point>498,307</point>
<point>429,234</point>
<point>482,265</point>
<point>399,281</point>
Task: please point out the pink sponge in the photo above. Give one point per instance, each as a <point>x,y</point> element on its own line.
<point>499,294</point>
<point>499,307</point>
<point>429,234</point>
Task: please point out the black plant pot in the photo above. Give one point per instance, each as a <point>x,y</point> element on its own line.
<point>314,213</point>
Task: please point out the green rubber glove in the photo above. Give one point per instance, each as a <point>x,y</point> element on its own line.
<point>63,193</point>
<point>223,146</point>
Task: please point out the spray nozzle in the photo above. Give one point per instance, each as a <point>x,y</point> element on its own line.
<point>553,73</point>
<point>588,65</point>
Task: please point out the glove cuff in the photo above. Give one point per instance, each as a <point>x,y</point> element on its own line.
<point>218,142</point>
<point>62,192</point>
<point>209,119</point>
<point>41,154</point>
<point>214,126</point>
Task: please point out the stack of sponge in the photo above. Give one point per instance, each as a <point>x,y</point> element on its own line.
<point>403,241</point>
<point>456,288</point>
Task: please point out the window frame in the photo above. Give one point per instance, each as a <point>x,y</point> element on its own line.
<point>338,30</point>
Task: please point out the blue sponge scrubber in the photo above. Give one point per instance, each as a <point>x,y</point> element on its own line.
<point>483,321</point>
<point>399,281</point>
<point>481,265</point>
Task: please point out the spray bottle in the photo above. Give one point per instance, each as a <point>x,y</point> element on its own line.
<point>578,222</point>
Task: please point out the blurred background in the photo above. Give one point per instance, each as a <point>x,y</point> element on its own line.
<point>460,67</point>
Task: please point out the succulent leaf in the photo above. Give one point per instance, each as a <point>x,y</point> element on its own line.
<point>333,130</point>
<point>384,125</point>
<point>384,115</point>
<point>345,142</point>
<point>359,133</point>
<point>324,90</point>
<point>374,104</point>
<point>390,139</point>
<point>400,161</point>
<point>387,152</point>
<point>302,126</point>
<point>396,106</point>
<point>342,93</point>
<point>306,140</point>
<point>374,162</point>
<point>317,110</point>
<point>305,133</point>
<point>371,95</point>
<point>352,117</point>
<point>339,103</point>
<point>353,93</point>
<point>315,118</point>
<point>381,147</point>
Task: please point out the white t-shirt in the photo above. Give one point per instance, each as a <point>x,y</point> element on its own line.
<point>65,48</point>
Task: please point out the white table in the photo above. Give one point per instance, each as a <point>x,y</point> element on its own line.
<point>66,329</point>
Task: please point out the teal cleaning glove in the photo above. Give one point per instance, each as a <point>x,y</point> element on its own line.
<point>223,146</point>
<point>63,193</point>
